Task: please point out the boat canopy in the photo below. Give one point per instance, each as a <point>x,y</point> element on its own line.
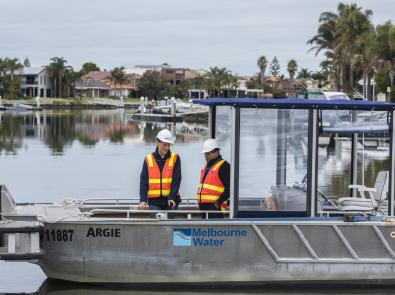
<point>298,103</point>
<point>284,122</point>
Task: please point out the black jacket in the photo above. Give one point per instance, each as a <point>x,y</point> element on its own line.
<point>175,184</point>
<point>224,175</point>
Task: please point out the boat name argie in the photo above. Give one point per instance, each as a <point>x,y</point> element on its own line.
<point>204,237</point>
<point>103,232</point>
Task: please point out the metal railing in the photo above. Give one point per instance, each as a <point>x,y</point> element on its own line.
<point>158,214</point>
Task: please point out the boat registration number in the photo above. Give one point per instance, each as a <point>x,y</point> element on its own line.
<point>57,235</point>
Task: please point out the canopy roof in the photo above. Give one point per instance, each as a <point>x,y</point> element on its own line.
<point>298,103</point>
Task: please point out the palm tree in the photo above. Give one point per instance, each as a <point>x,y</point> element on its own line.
<point>217,79</point>
<point>70,77</point>
<point>262,65</point>
<point>292,68</point>
<point>367,60</point>
<point>118,77</point>
<point>351,24</point>
<point>2,75</point>
<point>326,34</point>
<point>304,73</point>
<point>385,49</point>
<point>56,70</point>
<point>320,78</point>
<point>338,36</point>
<point>11,66</point>
<point>199,82</point>
<point>234,82</point>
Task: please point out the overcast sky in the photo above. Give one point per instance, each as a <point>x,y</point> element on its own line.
<point>184,33</point>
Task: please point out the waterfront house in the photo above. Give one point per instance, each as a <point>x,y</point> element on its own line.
<point>173,76</point>
<point>291,87</point>
<point>91,88</point>
<point>35,81</point>
<point>98,84</point>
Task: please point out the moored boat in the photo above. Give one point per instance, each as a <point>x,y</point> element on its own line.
<point>290,235</point>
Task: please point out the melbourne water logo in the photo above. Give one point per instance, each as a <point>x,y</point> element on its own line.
<point>204,237</point>
<point>182,237</point>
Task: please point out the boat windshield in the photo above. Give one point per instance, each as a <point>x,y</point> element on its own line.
<point>274,154</point>
<point>273,158</point>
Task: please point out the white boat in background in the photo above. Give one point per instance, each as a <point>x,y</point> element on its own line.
<point>331,95</point>
<point>22,107</point>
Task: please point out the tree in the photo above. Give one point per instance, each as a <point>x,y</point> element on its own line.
<point>382,80</point>
<point>217,78</point>
<point>56,70</point>
<point>262,65</point>
<point>304,73</point>
<point>351,24</point>
<point>274,67</point>
<point>10,82</point>
<point>152,84</point>
<point>338,36</point>
<point>70,77</point>
<point>179,91</point>
<point>320,78</point>
<point>88,67</point>
<point>385,49</point>
<point>199,82</point>
<point>26,62</point>
<point>292,68</point>
<point>118,77</point>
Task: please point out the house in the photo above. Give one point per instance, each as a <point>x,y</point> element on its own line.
<point>91,88</point>
<point>172,76</point>
<point>98,84</point>
<point>35,81</point>
<point>291,87</point>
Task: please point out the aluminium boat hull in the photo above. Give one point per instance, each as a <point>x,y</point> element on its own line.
<point>215,252</point>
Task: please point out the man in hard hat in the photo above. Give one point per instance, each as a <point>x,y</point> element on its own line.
<point>214,186</point>
<point>160,176</point>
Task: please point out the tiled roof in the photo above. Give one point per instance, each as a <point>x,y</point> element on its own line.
<point>91,83</point>
<point>97,75</point>
<point>273,79</point>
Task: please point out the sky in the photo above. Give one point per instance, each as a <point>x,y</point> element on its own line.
<point>184,33</point>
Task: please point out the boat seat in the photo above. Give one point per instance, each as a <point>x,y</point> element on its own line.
<point>373,200</point>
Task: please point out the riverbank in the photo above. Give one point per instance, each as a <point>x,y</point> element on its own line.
<point>72,103</point>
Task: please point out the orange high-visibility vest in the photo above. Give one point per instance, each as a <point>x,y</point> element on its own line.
<point>212,187</point>
<point>159,184</point>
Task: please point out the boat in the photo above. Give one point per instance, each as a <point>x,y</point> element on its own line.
<point>288,236</point>
<point>22,107</point>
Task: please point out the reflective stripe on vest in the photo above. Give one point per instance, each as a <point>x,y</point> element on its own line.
<point>212,188</point>
<point>159,184</point>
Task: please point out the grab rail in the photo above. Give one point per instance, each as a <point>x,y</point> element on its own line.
<point>118,201</point>
<point>159,214</point>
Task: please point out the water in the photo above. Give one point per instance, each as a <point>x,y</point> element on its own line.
<point>50,155</point>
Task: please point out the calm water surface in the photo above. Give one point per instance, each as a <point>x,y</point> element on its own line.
<point>50,155</point>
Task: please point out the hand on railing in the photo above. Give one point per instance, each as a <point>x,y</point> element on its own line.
<point>143,205</point>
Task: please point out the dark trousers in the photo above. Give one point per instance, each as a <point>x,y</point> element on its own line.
<point>163,207</point>
<point>210,207</point>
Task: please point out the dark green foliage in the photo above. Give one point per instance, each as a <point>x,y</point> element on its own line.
<point>274,67</point>
<point>152,84</point>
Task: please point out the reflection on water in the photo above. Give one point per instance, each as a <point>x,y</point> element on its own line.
<point>50,155</point>
<point>58,130</point>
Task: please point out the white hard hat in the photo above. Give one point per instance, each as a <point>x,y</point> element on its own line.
<point>209,145</point>
<point>165,136</point>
